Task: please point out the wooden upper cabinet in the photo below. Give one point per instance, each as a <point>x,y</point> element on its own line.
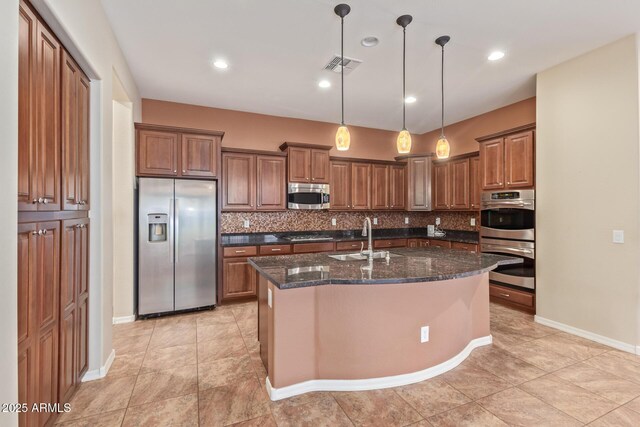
<point>238,181</point>
<point>360,186</point>
<point>157,153</point>
<point>518,160</point>
<point>299,164</point>
<point>320,173</point>
<point>492,164</point>
<point>199,155</point>
<point>441,186</point>
<point>475,189</point>
<point>307,163</point>
<point>177,152</point>
<point>419,183</point>
<point>397,187</point>
<point>340,185</point>
<point>379,187</point>
<point>47,120</point>
<point>271,183</point>
<point>27,139</point>
<point>459,184</point>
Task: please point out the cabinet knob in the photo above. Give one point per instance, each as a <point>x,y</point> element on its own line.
<point>184,171</point>
<point>175,170</point>
<point>313,179</point>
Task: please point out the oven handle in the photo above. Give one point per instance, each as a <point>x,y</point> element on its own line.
<point>527,205</point>
<point>528,253</point>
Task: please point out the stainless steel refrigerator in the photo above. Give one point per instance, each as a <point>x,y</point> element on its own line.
<point>176,245</point>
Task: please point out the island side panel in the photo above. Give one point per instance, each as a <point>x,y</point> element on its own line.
<point>263,320</point>
<point>371,331</point>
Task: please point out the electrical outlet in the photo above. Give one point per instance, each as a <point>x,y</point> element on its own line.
<point>269,298</point>
<point>333,222</point>
<point>406,220</point>
<point>618,236</point>
<point>424,334</point>
<point>246,223</point>
<point>375,221</point>
<point>473,222</point>
<point>438,221</point>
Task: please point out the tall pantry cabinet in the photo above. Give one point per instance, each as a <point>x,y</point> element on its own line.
<point>53,223</point>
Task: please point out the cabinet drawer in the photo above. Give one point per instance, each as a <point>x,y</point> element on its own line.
<point>440,243</point>
<point>390,243</point>
<point>240,251</point>
<point>275,249</point>
<point>348,246</point>
<point>518,297</point>
<point>464,246</point>
<point>307,248</point>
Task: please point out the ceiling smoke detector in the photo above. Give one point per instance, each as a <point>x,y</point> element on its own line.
<point>350,64</point>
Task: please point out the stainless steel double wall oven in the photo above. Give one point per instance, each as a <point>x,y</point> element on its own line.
<point>507,227</point>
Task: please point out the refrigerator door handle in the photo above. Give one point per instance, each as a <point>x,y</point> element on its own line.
<point>176,230</point>
<point>171,234</point>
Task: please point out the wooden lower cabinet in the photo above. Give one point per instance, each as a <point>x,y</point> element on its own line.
<point>389,243</point>
<point>239,278</point>
<point>522,300</point>
<point>440,243</point>
<point>351,245</point>
<point>470,247</point>
<point>308,248</point>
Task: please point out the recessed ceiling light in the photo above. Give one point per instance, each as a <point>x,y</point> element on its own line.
<point>410,99</point>
<point>324,84</point>
<point>495,55</point>
<point>369,41</point>
<point>219,63</point>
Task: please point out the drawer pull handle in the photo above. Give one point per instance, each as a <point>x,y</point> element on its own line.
<point>240,252</point>
<point>505,295</point>
<point>276,250</point>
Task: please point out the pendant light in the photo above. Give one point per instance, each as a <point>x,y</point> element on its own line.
<point>343,139</point>
<point>442,146</point>
<point>403,143</point>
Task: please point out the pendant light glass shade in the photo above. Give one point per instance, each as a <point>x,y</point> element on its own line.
<point>404,142</point>
<point>442,148</point>
<point>343,138</point>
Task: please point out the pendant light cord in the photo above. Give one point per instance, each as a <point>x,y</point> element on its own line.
<point>404,101</point>
<point>442,93</point>
<point>342,67</point>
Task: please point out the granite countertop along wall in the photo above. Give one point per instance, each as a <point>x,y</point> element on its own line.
<point>407,266</point>
<point>252,239</point>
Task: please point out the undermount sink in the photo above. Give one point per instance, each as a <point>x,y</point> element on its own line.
<point>360,257</point>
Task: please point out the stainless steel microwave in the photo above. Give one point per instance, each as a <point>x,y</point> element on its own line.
<point>308,196</point>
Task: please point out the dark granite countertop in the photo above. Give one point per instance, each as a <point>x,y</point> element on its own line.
<point>410,266</point>
<point>254,239</point>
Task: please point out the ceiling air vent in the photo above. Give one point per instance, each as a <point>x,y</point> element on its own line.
<point>350,64</point>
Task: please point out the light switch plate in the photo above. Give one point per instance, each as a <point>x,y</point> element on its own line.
<point>473,222</point>
<point>618,236</point>
<point>246,223</point>
<point>333,222</point>
<point>375,221</point>
<point>406,220</point>
<point>424,334</point>
<point>269,298</point>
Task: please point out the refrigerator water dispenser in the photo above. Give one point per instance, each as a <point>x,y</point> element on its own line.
<point>157,227</point>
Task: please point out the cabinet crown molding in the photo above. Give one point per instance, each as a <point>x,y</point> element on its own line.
<point>500,134</point>
<point>285,145</point>
<point>174,129</point>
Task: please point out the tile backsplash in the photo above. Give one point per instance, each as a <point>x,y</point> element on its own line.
<point>293,220</point>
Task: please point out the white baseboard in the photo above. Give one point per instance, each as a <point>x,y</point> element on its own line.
<point>376,383</point>
<point>630,348</point>
<point>124,319</point>
<point>96,374</point>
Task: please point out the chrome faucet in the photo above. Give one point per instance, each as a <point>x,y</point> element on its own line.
<point>366,232</point>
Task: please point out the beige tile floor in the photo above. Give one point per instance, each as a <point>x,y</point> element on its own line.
<point>204,369</point>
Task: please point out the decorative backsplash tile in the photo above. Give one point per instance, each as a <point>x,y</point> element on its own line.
<point>294,220</point>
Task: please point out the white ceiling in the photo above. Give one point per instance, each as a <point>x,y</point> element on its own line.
<point>277,50</point>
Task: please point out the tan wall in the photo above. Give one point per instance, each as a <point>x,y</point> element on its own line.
<point>587,186</point>
<point>462,135</point>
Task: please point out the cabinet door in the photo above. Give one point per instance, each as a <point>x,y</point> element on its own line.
<point>441,186</point>
<point>397,187</point>
<point>27,170</point>
<point>475,190</point>
<point>320,166</point>
<point>340,186</point>
<point>239,278</point>
<point>271,183</point>
<point>423,243</point>
<point>518,160</point>
<point>82,338</point>
<point>157,153</point>
<point>70,128</point>
<point>199,155</point>
<point>299,160</point>
<point>48,119</point>
<point>238,182</point>
<point>380,187</point>
<point>84,91</point>
<point>360,186</point>
<point>419,178</point>
<point>459,181</point>
<point>492,164</point>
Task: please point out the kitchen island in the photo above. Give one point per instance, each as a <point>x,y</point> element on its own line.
<point>333,322</point>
